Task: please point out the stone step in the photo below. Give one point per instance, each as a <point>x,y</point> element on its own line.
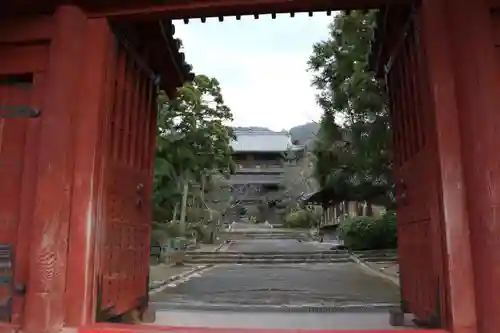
<point>266,253</point>
<point>280,257</point>
<point>381,261</point>
<point>266,233</point>
<point>379,256</point>
<point>216,261</point>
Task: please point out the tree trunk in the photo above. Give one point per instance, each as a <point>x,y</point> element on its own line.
<point>174,214</point>
<point>184,205</point>
<point>202,191</point>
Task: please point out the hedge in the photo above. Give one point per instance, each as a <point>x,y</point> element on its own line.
<point>301,218</point>
<point>370,233</point>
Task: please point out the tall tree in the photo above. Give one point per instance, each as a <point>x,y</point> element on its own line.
<point>193,142</point>
<point>352,148</point>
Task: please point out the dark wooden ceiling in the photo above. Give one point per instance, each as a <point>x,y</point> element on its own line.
<point>185,9</point>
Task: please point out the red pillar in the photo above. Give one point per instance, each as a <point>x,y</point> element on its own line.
<point>45,306</point>
<point>460,296</point>
<point>90,112</point>
<point>477,77</point>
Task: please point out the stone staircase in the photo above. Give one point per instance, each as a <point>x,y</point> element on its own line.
<point>265,234</point>
<point>377,256</point>
<point>326,256</point>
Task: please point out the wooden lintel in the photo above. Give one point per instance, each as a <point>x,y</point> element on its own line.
<point>218,8</point>
<point>21,30</point>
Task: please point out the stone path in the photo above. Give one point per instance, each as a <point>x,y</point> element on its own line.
<point>161,272</point>
<point>276,245</point>
<point>301,284</point>
<point>390,269</point>
<point>274,321</point>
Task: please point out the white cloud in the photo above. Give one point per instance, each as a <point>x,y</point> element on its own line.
<point>263,74</point>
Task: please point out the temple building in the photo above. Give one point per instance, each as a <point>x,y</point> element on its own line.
<point>261,158</point>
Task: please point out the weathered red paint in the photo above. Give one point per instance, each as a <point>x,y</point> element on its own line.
<point>90,114</point>
<point>419,228</point>
<point>84,218</point>
<point>127,188</point>
<point>477,81</point>
<point>18,138</point>
<point>457,254</point>
<point>107,328</point>
<point>45,300</point>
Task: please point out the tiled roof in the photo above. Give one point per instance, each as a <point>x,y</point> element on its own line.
<point>261,141</point>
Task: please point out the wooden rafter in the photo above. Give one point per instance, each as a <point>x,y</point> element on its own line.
<point>221,8</point>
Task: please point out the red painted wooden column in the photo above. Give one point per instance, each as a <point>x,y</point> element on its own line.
<point>45,306</point>
<point>460,297</point>
<point>90,114</point>
<point>477,74</point>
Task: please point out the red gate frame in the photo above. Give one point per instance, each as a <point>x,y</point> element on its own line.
<point>180,329</point>
<point>464,81</point>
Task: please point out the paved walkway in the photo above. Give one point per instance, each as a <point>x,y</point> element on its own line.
<point>336,284</point>
<point>237,296</point>
<point>294,321</point>
<point>276,245</point>
<point>390,269</point>
<point>161,272</point>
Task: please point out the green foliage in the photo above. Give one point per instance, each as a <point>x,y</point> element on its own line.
<point>161,232</point>
<point>301,218</point>
<point>352,148</point>
<point>201,232</point>
<point>370,233</point>
<point>193,143</point>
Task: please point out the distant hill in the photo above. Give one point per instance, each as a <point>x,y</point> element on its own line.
<point>251,128</point>
<point>305,133</point>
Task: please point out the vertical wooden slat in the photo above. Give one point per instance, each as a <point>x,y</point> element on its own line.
<point>394,118</point>
<point>142,107</point>
<point>136,114</point>
<point>405,105</point>
<point>49,239</point>
<point>117,120</point>
<point>398,94</point>
<point>90,113</point>
<point>148,127</point>
<point>416,87</point>
<point>129,110</point>
<point>409,96</point>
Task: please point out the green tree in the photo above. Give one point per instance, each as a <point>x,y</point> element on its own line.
<point>193,142</point>
<point>352,148</point>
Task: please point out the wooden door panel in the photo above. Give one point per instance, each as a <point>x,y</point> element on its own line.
<point>416,176</point>
<point>17,173</point>
<point>127,187</point>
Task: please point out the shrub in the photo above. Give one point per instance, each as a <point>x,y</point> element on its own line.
<point>370,233</point>
<point>301,218</point>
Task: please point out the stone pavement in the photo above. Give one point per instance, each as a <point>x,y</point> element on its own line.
<point>293,321</point>
<point>161,272</point>
<point>338,284</point>
<point>391,269</point>
<point>284,296</point>
<point>276,245</point>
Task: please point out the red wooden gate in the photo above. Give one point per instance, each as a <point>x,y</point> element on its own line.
<point>20,85</point>
<point>130,134</point>
<point>416,176</point>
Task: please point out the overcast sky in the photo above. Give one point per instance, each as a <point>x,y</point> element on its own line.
<point>261,65</point>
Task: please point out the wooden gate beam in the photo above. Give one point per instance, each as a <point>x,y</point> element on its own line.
<point>476,64</point>
<point>459,293</point>
<point>44,310</point>
<point>222,8</point>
